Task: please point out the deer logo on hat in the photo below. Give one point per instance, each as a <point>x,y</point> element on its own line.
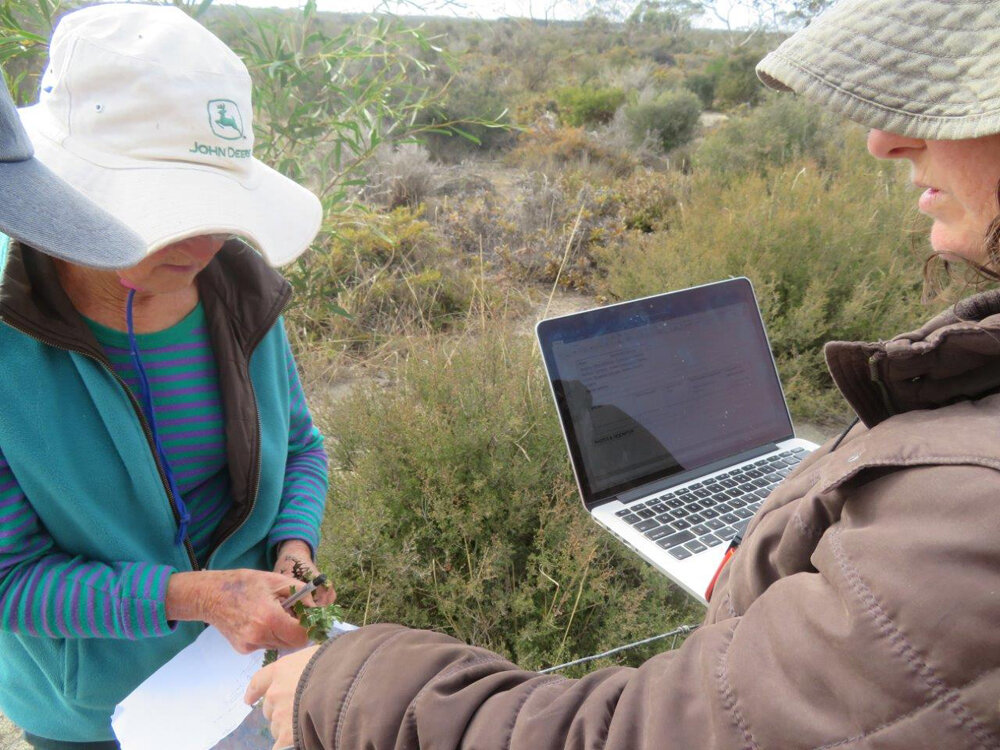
<point>225,119</point>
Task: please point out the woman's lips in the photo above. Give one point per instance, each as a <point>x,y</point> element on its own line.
<point>928,199</point>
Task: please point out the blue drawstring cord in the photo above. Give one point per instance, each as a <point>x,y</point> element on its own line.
<point>147,407</point>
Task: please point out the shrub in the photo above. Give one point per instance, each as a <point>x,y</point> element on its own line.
<point>635,77</point>
<point>537,232</point>
<point>472,117</point>
<point>702,85</point>
<point>782,129</point>
<point>736,81</point>
<point>832,254</point>
<point>452,507</point>
<point>534,111</point>
<point>671,117</point>
<point>547,230</point>
<point>392,274</point>
<point>326,99</point>
<point>619,136</point>
<point>583,105</point>
<point>646,200</point>
<point>547,150</point>
<point>400,176</point>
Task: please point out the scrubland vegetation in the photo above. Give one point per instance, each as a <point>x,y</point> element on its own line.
<point>469,171</point>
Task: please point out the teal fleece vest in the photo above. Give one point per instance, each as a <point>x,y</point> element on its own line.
<point>72,438</point>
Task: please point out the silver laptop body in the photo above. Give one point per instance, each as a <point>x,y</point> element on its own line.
<point>674,419</point>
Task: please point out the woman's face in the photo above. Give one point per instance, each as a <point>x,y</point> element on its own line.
<point>174,267</point>
<point>960,181</point>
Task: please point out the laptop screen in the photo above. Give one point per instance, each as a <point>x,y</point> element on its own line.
<point>659,386</point>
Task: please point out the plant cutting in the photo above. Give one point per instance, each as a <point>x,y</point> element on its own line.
<point>319,619</point>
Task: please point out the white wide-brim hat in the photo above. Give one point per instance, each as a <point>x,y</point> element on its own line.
<point>149,114</point>
<point>920,68</point>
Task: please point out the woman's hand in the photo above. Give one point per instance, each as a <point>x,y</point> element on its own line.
<point>245,605</point>
<point>296,551</point>
<point>276,684</point>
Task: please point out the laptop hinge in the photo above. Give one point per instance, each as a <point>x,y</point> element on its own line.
<point>662,485</point>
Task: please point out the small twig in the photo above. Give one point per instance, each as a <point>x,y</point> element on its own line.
<point>368,601</point>
<point>579,593</point>
<point>562,265</point>
<point>555,596</point>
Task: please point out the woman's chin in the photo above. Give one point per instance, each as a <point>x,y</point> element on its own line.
<point>169,285</point>
<point>957,244</point>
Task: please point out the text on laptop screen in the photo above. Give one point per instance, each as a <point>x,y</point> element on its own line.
<point>663,385</point>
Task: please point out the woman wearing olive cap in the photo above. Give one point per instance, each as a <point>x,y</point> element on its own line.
<point>860,610</point>
<point>170,474</point>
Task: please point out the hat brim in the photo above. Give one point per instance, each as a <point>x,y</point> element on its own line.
<point>170,202</point>
<point>39,209</point>
<point>921,69</point>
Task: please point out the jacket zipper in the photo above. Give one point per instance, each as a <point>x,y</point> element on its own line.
<point>192,558</point>
<point>255,489</point>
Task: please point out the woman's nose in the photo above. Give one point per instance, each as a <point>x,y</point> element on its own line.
<point>885,145</point>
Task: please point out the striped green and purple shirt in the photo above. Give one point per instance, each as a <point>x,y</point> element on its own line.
<point>44,592</point>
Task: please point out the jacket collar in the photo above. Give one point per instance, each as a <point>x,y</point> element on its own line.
<point>954,356</point>
<point>238,285</point>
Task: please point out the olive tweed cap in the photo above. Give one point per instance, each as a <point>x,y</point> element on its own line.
<point>920,68</point>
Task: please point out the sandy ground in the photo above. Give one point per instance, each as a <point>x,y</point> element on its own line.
<point>11,737</point>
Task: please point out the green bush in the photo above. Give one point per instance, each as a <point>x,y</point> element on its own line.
<point>671,118</point>
<point>736,79</point>
<point>832,253</point>
<point>782,129</point>
<point>390,273</point>
<point>701,85</point>
<point>646,201</point>
<point>472,117</point>
<point>583,105</point>
<point>452,507</point>
<point>327,96</point>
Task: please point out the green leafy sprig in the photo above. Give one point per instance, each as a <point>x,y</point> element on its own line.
<point>316,620</point>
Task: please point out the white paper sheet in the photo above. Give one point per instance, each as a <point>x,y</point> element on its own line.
<point>191,702</point>
<point>195,701</point>
<point>253,733</point>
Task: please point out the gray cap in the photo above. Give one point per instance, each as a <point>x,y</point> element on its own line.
<point>40,210</point>
<point>919,68</point>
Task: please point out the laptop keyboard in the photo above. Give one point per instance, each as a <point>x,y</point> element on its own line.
<point>691,519</point>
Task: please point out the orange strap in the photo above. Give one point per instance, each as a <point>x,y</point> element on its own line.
<point>729,553</point>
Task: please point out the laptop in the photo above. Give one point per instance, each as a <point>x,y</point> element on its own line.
<point>675,421</point>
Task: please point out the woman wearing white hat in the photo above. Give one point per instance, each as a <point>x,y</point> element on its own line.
<point>159,468</point>
<point>860,610</point>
